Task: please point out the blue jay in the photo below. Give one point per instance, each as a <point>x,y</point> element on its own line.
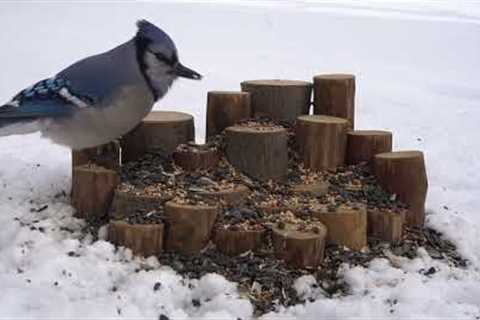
<point>99,98</point>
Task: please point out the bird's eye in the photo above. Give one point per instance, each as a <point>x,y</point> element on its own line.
<point>162,57</point>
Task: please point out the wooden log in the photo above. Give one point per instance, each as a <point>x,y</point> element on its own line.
<point>127,201</point>
<point>282,100</point>
<point>106,155</point>
<point>225,109</point>
<point>260,152</point>
<point>403,173</point>
<point>334,95</point>
<point>160,130</point>
<point>142,239</point>
<point>235,242</point>
<point>230,196</point>
<point>189,226</point>
<point>192,157</point>
<point>321,141</point>
<point>363,145</point>
<point>385,224</point>
<point>347,226</point>
<point>92,190</point>
<point>299,248</point>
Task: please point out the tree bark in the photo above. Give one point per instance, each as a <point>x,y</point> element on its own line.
<point>346,226</point>
<point>363,145</point>
<point>385,225</point>
<point>321,141</point>
<point>142,239</point>
<point>235,242</point>
<point>92,190</point>
<point>334,95</point>
<point>196,157</point>
<point>262,154</point>
<point>225,109</point>
<point>282,100</point>
<point>189,226</point>
<point>298,248</point>
<point>160,130</point>
<point>403,173</point>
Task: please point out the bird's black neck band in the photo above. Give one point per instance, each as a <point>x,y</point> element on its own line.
<point>141,45</point>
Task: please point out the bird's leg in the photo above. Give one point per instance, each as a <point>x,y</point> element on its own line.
<point>118,146</point>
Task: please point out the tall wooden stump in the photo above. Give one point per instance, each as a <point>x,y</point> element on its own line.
<point>363,145</point>
<point>92,190</point>
<point>299,248</point>
<point>403,173</point>
<point>346,226</point>
<point>142,239</point>
<point>225,109</point>
<point>189,226</point>
<point>260,152</point>
<point>322,141</point>
<point>279,99</point>
<point>160,130</point>
<point>334,95</point>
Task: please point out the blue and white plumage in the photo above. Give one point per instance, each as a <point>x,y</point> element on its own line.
<point>102,97</point>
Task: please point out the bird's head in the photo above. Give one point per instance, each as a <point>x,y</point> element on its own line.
<point>158,58</point>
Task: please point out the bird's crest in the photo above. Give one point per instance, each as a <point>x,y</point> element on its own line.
<point>149,31</point>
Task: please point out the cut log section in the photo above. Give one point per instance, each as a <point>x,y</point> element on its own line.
<point>189,226</point>
<point>230,196</point>
<point>92,190</point>
<point>106,155</point>
<point>260,152</point>
<point>282,100</point>
<point>403,173</point>
<point>142,239</point>
<point>334,95</point>
<point>321,141</point>
<point>235,242</point>
<point>160,130</point>
<point>299,248</point>
<point>225,109</point>
<point>192,157</point>
<point>385,224</point>
<point>347,226</point>
<point>128,201</point>
<point>363,145</point>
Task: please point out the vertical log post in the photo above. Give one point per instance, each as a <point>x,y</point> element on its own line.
<point>235,242</point>
<point>189,226</point>
<point>225,109</point>
<point>282,100</point>
<point>93,189</point>
<point>347,226</point>
<point>261,152</point>
<point>403,173</point>
<point>160,130</point>
<point>363,145</point>
<point>385,224</point>
<point>334,95</point>
<point>321,141</point>
<point>142,239</point>
<point>192,157</point>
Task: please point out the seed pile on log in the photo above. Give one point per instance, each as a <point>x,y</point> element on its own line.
<point>282,100</point>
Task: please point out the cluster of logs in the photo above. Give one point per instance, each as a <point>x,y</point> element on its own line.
<point>324,140</point>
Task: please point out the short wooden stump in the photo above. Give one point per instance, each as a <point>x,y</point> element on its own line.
<point>192,157</point>
<point>363,145</point>
<point>189,226</point>
<point>142,239</point>
<point>385,224</point>
<point>234,242</point>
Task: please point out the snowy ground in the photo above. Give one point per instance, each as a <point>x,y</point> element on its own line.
<point>417,67</point>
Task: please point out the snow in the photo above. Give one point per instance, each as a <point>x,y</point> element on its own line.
<point>417,75</point>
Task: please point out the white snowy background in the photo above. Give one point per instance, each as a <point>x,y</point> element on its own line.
<point>417,66</point>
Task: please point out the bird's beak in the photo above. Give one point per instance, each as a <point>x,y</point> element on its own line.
<point>182,71</point>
